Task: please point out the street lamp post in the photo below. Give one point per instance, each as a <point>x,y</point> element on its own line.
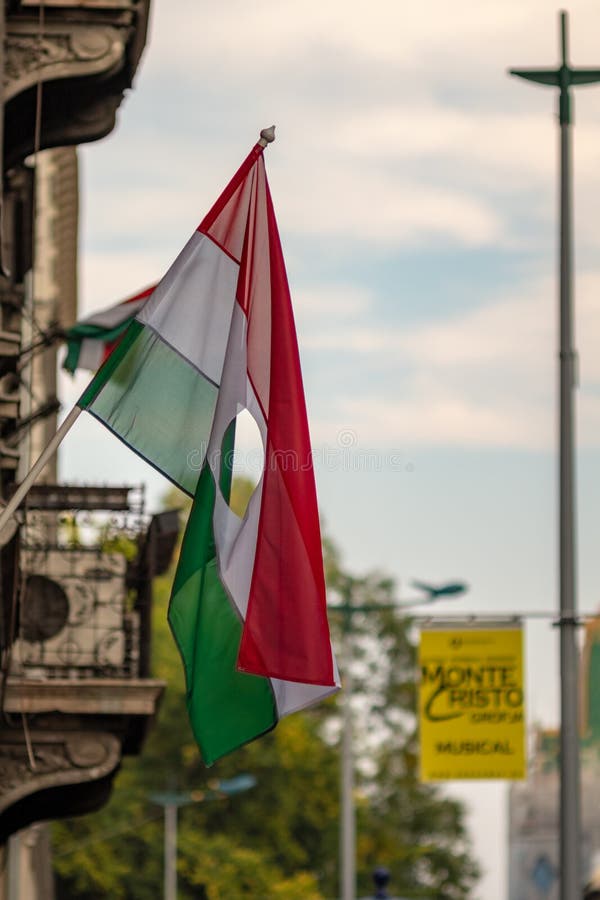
<point>171,801</point>
<point>348,608</point>
<point>347,811</point>
<point>564,78</point>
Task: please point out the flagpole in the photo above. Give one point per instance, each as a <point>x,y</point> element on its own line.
<point>267,136</point>
<point>37,467</point>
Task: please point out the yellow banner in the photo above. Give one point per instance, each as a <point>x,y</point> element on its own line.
<point>471,709</point>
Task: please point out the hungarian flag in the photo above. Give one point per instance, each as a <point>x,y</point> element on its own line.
<point>216,337</point>
<point>92,340</point>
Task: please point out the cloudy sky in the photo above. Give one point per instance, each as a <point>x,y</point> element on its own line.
<point>415,187</point>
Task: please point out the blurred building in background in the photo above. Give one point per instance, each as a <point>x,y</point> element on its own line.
<point>533,823</point>
<point>76,563</point>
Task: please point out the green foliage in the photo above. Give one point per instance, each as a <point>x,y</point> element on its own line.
<point>108,535</point>
<point>224,869</point>
<point>117,542</point>
<point>401,823</point>
<point>279,840</point>
<point>241,491</point>
<point>69,531</point>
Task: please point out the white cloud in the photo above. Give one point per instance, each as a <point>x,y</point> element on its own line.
<point>442,417</point>
<point>387,141</point>
<point>346,300</point>
<point>264,32</point>
<point>484,378</point>
<point>521,145</point>
<point>366,204</point>
<point>106,278</point>
<point>335,196</point>
<point>397,125</point>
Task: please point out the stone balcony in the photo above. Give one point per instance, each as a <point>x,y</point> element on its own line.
<point>62,762</point>
<point>77,696</point>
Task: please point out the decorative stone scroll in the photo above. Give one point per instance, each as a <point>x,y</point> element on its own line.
<point>84,54</point>
<point>59,760</point>
<point>80,51</point>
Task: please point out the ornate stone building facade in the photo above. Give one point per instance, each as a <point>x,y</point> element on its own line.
<point>75,691</point>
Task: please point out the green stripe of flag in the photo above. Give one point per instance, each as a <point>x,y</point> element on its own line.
<point>156,402</point>
<point>83,331</point>
<point>227,708</point>
<point>112,363</point>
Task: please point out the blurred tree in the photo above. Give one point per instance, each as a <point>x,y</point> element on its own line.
<point>280,839</point>
<point>408,826</point>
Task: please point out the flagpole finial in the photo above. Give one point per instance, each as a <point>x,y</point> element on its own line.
<point>267,136</point>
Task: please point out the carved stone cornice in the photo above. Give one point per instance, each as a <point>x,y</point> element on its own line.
<point>76,767</point>
<point>77,731</point>
<point>57,759</point>
<point>93,696</point>
<point>84,54</point>
<point>76,4</point>
<point>61,52</point>
<point>124,707</point>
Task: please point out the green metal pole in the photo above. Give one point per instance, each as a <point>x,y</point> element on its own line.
<point>170,837</point>
<point>565,77</point>
<point>570,781</point>
<point>348,812</point>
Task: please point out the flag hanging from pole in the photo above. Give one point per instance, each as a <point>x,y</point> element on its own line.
<point>217,336</point>
<point>92,340</point>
